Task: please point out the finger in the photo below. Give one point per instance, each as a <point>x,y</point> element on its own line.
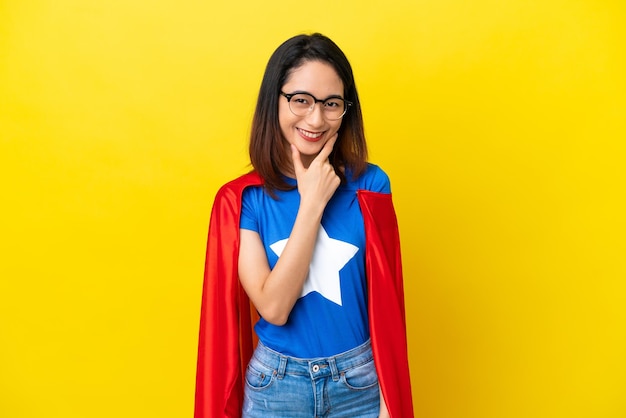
<point>298,167</point>
<point>328,148</point>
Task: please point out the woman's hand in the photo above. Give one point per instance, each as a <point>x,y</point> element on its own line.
<point>318,182</point>
<point>384,413</point>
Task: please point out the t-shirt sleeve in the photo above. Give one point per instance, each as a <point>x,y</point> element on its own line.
<point>248,218</point>
<point>378,180</point>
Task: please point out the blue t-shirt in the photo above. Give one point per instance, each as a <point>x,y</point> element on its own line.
<point>330,316</point>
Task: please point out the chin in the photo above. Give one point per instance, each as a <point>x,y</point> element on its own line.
<point>309,148</point>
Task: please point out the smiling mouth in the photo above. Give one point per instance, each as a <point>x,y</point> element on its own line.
<point>310,135</point>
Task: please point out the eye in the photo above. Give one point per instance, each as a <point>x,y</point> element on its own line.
<point>333,104</point>
<point>301,99</point>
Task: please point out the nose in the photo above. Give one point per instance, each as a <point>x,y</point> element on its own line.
<point>316,115</point>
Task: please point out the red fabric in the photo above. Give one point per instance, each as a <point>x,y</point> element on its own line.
<point>386,301</point>
<point>227,339</point>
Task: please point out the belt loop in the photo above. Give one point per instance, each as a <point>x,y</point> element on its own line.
<point>333,369</point>
<point>282,366</point>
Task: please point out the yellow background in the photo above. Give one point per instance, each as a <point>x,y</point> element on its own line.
<point>500,123</point>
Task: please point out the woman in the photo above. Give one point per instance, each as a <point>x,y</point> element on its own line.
<point>310,239</point>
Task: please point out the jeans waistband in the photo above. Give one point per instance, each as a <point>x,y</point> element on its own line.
<point>316,367</point>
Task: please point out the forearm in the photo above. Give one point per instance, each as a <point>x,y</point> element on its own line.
<point>283,286</point>
<point>274,292</point>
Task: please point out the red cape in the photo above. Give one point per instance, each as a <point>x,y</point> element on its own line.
<point>227,337</point>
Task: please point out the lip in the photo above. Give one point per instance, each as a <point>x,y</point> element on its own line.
<point>317,135</point>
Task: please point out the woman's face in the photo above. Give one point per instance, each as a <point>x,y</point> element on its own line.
<point>309,133</point>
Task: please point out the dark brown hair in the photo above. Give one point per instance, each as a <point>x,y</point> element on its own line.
<point>267,150</point>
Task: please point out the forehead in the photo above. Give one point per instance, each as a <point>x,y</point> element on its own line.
<point>316,77</point>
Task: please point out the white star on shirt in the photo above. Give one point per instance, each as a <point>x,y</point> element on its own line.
<point>329,256</point>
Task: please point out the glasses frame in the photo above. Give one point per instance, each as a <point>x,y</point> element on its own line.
<point>346,103</point>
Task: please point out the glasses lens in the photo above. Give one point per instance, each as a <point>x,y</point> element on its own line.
<point>302,104</point>
<point>334,108</point>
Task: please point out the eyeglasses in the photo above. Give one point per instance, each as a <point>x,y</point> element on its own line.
<point>302,104</point>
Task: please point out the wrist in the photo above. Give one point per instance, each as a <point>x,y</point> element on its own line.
<point>311,209</point>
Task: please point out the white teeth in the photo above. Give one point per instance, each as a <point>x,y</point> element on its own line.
<point>310,134</point>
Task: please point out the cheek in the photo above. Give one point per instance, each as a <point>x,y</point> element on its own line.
<point>285,118</point>
<point>336,126</point>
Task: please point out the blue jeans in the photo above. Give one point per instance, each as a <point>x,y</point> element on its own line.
<point>345,385</point>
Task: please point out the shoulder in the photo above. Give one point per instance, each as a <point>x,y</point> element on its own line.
<point>373,179</point>
<point>237,185</point>
<point>231,192</point>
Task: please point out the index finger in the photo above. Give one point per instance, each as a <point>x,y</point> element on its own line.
<point>297,162</point>
<point>328,148</point>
